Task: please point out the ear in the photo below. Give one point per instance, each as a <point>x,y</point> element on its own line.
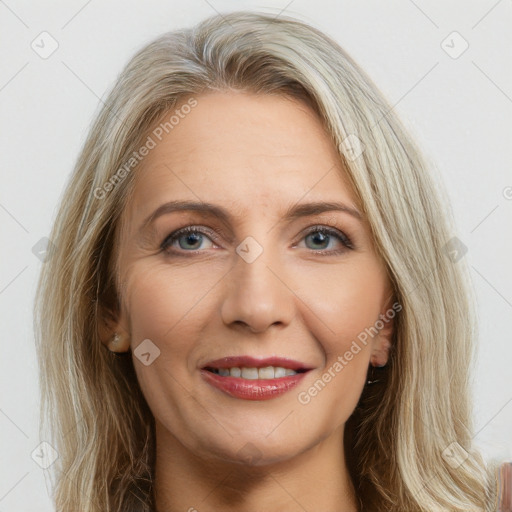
<point>112,331</point>
<point>382,340</point>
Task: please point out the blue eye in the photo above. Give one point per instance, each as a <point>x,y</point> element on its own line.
<point>322,235</point>
<point>185,237</point>
<point>191,239</point>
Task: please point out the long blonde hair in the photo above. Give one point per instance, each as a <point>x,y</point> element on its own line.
<point>92,407</point>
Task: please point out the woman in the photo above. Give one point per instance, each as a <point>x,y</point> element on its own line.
<point>256,370</point>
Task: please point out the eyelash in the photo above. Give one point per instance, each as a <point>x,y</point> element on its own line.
<point>325,230</point>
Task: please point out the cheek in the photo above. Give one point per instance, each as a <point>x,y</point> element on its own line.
<point>161,301</point>
<point>343,306</point>
<point>343,302</point>
<point>162,306</point>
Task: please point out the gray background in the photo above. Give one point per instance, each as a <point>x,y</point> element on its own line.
<point>457,105</point>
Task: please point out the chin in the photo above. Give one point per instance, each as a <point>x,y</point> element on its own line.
<point>254,451</point>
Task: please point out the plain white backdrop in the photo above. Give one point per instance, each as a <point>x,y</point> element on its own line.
<point>445,67</point>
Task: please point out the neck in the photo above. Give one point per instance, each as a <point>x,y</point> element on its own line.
<point>316,479</point>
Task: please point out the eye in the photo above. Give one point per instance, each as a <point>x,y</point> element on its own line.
<point>189,239</point>
<point>321,237</point>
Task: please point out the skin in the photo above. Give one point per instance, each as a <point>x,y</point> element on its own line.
<point>254,155</point>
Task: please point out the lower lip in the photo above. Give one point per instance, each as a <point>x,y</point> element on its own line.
<point>257,389</point>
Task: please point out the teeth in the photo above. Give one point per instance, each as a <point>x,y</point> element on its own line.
<point>249,373</point>
<point>269,372</point>
<point>279,372</point>
<point>266,373</point>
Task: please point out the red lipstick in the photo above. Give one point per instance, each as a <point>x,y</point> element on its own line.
<point>253,389</point>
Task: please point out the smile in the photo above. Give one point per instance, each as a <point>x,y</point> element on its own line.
<point>254,378</point>
<point>268,372</point>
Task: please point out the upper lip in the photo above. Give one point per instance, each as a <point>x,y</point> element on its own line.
<point>254,362</point>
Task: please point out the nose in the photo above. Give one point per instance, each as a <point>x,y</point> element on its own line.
<point>257,294</point>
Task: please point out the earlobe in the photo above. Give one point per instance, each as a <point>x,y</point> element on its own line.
<point>119,342</point>
<point>382,344</point>
<point>380,353</point>
<point>112,334</point>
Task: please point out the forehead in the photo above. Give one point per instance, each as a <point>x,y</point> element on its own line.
<point>238,148</point>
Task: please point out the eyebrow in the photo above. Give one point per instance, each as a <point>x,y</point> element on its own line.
<point>294,212</point>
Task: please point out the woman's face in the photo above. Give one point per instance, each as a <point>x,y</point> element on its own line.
<point>264,275</point>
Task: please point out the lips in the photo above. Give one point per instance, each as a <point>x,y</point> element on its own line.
<point>253,388</point>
